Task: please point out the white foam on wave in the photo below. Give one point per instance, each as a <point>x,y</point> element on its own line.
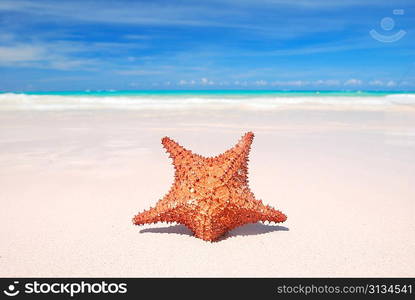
<point>408,99</point>
<point>11,101</point>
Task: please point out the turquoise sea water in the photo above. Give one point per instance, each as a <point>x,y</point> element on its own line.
<point>217,93</point>
<point>212,99</point>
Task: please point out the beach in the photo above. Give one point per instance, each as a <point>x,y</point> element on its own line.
<point>75,170</point>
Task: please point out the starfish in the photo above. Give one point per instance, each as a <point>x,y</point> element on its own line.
<point>210,195</point>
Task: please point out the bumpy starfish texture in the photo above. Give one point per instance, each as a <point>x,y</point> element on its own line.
<point>210,195</point>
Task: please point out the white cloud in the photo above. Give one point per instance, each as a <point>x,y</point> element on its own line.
<point>63,63</point>
<point>59,54</point>
<point>327,82</point>
<point>353,81</point>
<point>391,83</point>
<point>261,83</point>
<point>376,83</point>
<point>21,53</point>
<point>205,81</point>
<point>233,14</point>
<point>149,13</point>
<point>290,83</point>
<point>42,56</point>
<point>202,81</point>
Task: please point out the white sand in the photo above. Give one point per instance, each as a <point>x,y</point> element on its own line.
<point>71,181</point>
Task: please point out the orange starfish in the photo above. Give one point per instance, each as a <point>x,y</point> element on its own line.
<point>210,195</point>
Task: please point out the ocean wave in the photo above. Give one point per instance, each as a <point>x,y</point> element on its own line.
<point>407,99</point>
<point>12,101</point>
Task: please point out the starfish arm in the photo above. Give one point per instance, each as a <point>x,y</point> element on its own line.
<point>242,147</point>
<point>261,212</point>
<point>182,158</point>
<point>163,212</point>
<point>147,217</point>
<point>272,215</point>
<point>174,149</point>
<point>237,159</point>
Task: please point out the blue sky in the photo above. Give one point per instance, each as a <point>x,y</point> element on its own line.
<point>227,44</point>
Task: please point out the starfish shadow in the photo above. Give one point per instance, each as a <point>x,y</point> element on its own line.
<point>248,229</point>
<point>177,229</point>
